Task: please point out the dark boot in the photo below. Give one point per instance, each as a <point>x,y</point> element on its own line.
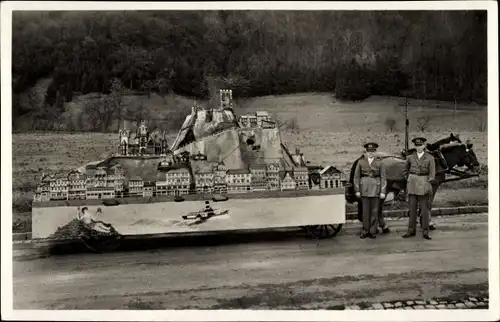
<point>431,227</point>
<point>364,235</point>
<point>426,236</point>
<point>386,230</point>
<point>408,235</point>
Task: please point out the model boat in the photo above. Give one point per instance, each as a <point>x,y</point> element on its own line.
<point>203,214</point>
<point>218,198</point>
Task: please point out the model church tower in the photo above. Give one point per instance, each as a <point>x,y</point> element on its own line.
<point>124,135</point>
<point>142,142</point>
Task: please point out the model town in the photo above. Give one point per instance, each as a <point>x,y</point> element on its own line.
<point>174,172</point>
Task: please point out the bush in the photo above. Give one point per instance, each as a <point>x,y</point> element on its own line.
<point>481,122</point>
<point>293,125</point>
<point>354,93</point>
<point>22,201</point>
<point>423,122</point>
<point>390,123</point>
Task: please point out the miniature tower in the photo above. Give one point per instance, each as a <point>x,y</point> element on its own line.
<point>143,130</point>
<point>143,134</point>
<point>124,134</point>
<point>226,98</point>
<point>164,145</point>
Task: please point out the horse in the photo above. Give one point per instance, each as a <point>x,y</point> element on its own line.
<point>436,145</point>
<point>446,158</point>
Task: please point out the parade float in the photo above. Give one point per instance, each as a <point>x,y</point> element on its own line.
<point>222,172</point>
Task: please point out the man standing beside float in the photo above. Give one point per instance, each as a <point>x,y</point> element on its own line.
<point>370,185</point>
<point>419,171</point>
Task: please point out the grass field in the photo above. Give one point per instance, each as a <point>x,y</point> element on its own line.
<point>326,131</point>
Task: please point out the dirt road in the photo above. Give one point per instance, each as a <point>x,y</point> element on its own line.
<point>290,274</point>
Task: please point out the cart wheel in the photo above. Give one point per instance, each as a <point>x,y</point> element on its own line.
<point>324,231</point>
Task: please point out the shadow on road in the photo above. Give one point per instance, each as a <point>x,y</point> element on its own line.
<point>213,239</point>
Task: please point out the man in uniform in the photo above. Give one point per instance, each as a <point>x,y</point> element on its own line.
<point>370,185</point>
<point>420,171</point>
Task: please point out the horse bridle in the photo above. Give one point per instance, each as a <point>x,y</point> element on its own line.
<point>464,174</point>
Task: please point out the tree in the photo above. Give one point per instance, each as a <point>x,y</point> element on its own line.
<point>138,113</point>
<point>390,123</point>
<point>293,124</point>
<point>441,55</point>
<point>481,122</point>
<point>423,122</point>
<point>105,110</point>
<point>116,99</point>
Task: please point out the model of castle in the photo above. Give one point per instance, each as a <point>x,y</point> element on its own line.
<point>186,169</point>
<point>142,142</point>
<point>204,122</point>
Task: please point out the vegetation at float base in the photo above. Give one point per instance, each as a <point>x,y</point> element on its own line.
<point>421,54</point>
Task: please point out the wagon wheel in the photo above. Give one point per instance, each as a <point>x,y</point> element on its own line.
<point>324,231</point>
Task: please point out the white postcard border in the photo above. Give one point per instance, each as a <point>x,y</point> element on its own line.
<point>252,315</point>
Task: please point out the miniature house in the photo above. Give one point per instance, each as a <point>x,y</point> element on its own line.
<point>331,177</point>
<point>287,181</point>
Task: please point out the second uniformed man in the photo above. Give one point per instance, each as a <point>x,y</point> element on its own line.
<point>420,171</point>
<point>370,185</point>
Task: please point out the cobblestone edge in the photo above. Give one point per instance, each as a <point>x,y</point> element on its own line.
<point>471,303</point>
<point>446,211</point>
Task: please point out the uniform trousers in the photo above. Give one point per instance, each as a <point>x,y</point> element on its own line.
<point>429,207</point>
<point>422,202</point>
<point>370,214</point>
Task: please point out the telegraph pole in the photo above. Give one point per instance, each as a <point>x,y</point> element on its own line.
<point>407,124</point>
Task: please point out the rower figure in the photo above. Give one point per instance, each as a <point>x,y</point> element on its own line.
<point>208,208</point>
<point>90,221</point>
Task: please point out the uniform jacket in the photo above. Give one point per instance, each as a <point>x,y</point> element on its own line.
<point>420,173</point>
<point>370,180</point>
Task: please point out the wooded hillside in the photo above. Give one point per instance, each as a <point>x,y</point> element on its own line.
<point>429,55</point>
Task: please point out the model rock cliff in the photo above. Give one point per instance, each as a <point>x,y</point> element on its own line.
<point>239,143</point>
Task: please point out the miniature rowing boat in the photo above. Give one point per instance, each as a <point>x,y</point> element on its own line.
<point>202,215</point>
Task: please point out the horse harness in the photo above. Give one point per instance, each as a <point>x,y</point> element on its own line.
<point>435,153</point>
<point>441,158</point>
